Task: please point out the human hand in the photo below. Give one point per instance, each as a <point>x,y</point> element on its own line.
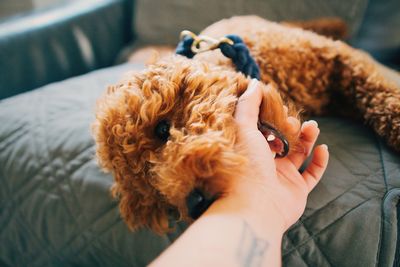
<point>274,184</point>
<point>245,226</point>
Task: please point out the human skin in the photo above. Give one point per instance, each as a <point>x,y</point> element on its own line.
<point>245,227</point>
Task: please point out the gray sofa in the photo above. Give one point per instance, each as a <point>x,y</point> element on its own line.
<point>55,205</point>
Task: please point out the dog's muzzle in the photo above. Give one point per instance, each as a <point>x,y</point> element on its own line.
<point>197,202</point>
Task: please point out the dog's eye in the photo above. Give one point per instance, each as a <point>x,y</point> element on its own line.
<point>162,130</point>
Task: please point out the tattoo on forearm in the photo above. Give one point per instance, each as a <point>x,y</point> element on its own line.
<point>251,249</point>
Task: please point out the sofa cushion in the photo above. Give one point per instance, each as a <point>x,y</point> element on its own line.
<point>379,32</point>
<point>55,205</point>
<point>60,42</point>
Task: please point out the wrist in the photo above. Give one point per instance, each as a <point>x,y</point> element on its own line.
<point>262,215</point>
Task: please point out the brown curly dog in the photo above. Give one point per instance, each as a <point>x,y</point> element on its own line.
<point>169,130</point>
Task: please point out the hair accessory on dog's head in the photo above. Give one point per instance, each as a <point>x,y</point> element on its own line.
<point>232,46</point>
<point>202,43</point>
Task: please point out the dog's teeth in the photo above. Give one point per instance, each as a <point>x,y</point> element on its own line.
<point>271,138</point>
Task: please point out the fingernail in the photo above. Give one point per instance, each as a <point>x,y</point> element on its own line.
<point>253,84</point>
<point>325,146</point>
<point>312,122</point>
<point>251,87</point>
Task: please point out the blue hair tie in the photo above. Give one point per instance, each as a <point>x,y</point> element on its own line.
<point>235,49</point>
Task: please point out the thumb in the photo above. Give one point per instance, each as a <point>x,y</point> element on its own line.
<point>248,106</point>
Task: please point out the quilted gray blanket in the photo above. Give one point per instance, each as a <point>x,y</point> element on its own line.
<point>56,210</point>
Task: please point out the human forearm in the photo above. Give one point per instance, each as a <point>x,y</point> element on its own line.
<point>226,235</point>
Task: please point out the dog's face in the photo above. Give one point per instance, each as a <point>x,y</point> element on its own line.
<point>167,131</point>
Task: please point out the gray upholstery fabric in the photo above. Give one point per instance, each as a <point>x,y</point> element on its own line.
<point>379,33</point>
<point>350,219</point>
<point>55,205</point>
<point>160,22</point>
<point>64,41</point>
<point>56,210</point>
<point>380,29</point>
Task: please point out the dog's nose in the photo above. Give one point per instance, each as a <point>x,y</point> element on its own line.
<point>197,203</point>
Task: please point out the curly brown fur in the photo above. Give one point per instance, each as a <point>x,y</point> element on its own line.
<point>198,97</point>
<point>334,28</point>
<point>315,72</point>
<point>199,100</point>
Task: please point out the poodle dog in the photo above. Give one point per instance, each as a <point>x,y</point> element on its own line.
<point>168,134</point>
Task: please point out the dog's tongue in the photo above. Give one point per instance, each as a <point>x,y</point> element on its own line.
<point>275,144</point>
<point>276,141</point>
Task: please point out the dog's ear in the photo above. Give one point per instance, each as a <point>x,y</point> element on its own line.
<point>140,205</point>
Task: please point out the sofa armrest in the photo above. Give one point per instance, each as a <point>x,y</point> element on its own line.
<point>61,42</point>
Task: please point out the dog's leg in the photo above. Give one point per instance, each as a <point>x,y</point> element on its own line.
<point>373,91</point>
